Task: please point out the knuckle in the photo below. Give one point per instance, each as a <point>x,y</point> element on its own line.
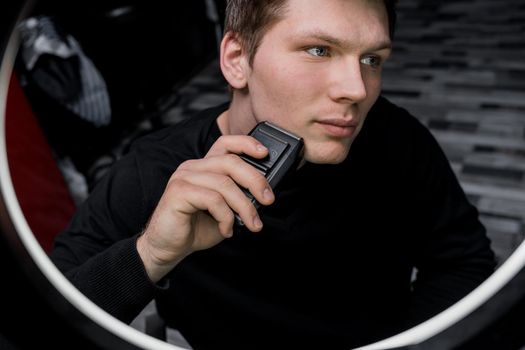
<point>228,218</point>
<point>233,158</point>
<point>215,198</point>
<point>178,175</point>
<point>176,184</point>
<point>185,165</point>
<point>226,182</point>
<point>233,162</point>
<point>248,207</point>
<point>222,140</point>
<point>259,180</point>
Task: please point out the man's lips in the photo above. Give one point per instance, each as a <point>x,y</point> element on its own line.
<point>339,127</point>
<point>343,123</point>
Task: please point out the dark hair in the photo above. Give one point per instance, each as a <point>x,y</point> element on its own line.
<point>251,19</point>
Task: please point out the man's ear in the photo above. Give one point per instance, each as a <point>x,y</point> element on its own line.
<point>234,62</point>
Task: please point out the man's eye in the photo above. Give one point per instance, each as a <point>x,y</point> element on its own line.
<point>373,61</point>
<point>318,51</point>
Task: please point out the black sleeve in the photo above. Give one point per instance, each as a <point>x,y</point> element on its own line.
<point>97,252</point>
<point>453,253</point>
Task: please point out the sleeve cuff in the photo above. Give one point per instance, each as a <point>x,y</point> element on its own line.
<point>119,283</point>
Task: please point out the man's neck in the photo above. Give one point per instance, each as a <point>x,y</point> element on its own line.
<point>222,122</point>
<point>237,119</point>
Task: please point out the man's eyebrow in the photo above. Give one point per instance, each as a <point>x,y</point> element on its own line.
<point>382,45</point>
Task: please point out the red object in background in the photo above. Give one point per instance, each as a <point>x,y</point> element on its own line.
<point>39,185</point>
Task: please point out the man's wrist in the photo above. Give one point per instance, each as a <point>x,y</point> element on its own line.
<point>155,271</point>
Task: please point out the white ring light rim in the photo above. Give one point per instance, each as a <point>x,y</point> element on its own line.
<point>412,336</point>
<point>40,258</point>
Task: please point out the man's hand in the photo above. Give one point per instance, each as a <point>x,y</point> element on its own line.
<point>196,210</point>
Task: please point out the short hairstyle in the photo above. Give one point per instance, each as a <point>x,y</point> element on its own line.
<point>251,19</point>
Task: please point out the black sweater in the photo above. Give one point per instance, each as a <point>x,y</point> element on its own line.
<point>332,266</point>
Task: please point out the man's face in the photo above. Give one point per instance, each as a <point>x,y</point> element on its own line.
<point>317,72</point>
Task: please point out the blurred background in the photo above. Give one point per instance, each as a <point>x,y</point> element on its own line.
<point>459,66</point>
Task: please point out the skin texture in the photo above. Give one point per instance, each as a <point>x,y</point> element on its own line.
<point>316,73</point>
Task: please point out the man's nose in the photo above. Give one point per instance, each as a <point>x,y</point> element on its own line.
<point>348,84</point>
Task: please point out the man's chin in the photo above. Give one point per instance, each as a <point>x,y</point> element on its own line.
<point>326,151</point>
<point>335,157</point>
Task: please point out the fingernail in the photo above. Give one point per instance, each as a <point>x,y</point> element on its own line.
<point>261,148</point>
<point>268,194</point>
<point>257,222</point>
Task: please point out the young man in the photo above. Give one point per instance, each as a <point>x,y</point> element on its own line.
<point>327,261</point>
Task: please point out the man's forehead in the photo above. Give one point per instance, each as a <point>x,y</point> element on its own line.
<point>348,24</point>
<point>369,14</point>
